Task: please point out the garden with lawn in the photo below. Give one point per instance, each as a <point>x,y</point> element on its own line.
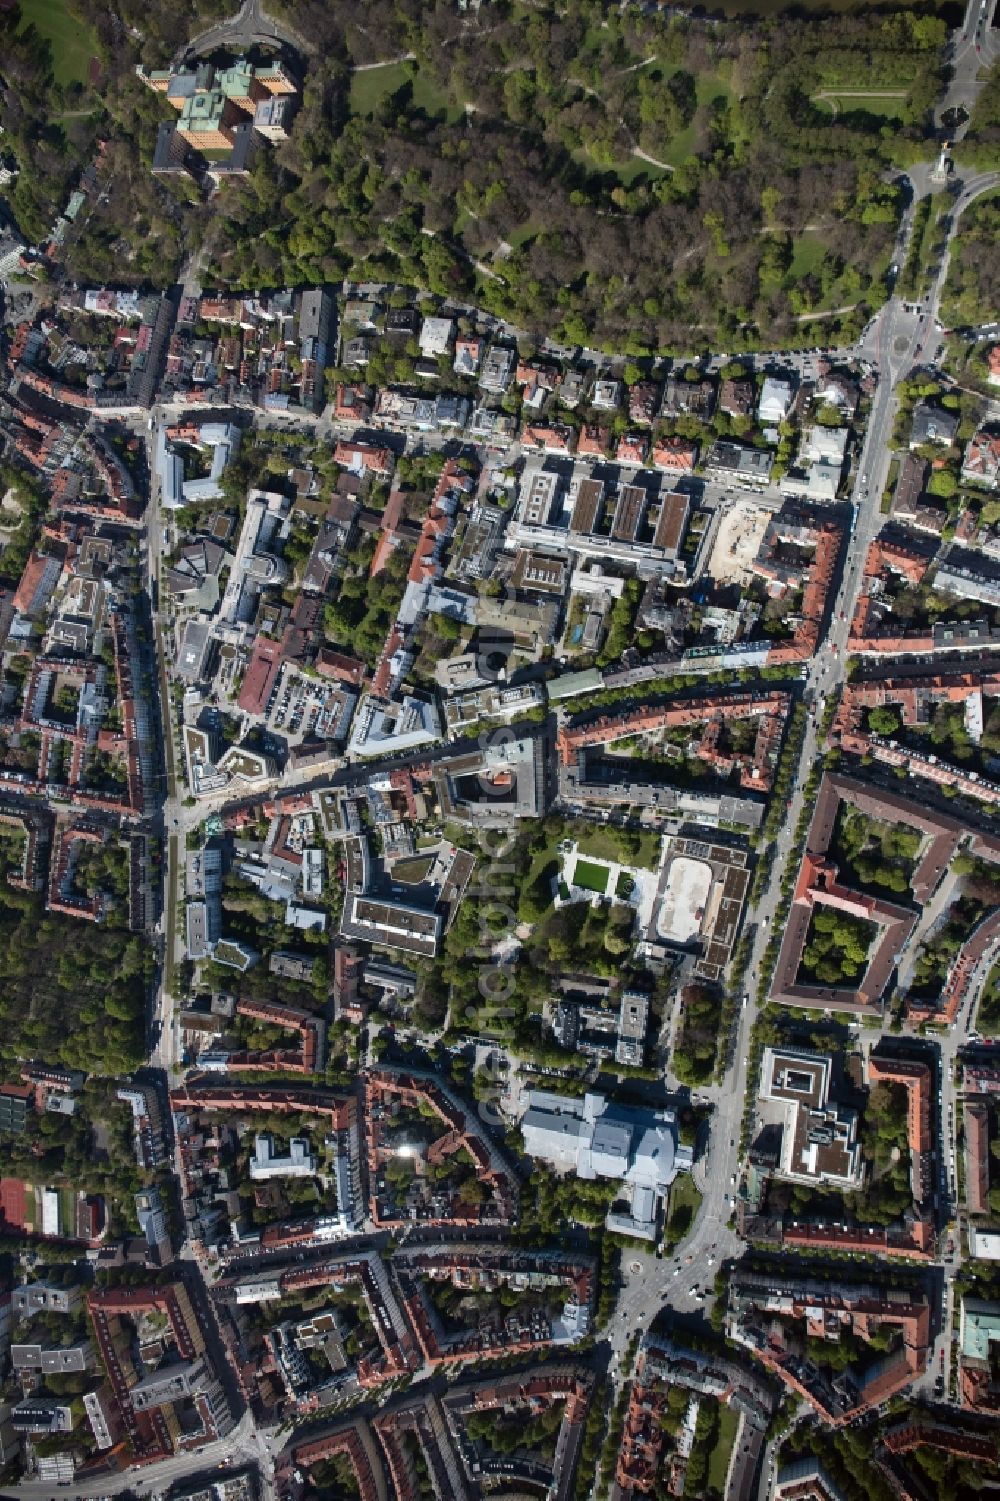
<point>591,877</point>
<point>875,856</point>
<point>682,1207</point>
<point>636,847</point>
<point>988,1014</point>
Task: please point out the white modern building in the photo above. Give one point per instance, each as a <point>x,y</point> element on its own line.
<point>594,1138</point>
<point>498,369</point>
<point>819,465</point>
<point>312,872</point>
<point>11,251</point>
<point>265,1164</point>
<point>824,445</point>
<point>257,564</point>
<point>175,491</point>
<point>984,1245</point>
<point>388,729</point>
<point>776,397</point>
<point>574,510</point>
<point>815,1139</point>
<point>435,336</point>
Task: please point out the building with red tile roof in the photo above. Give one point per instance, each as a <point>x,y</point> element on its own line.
<point>34,825</point>
<point>979,1339</point>
<point>529,1393</point>
<point>340,667</point>
<point>816,587</point>
<point>675,455</point>
<point>38,581</point>
<point>891,553</point>
<point>383,674</point>
<point>13,1191</point>
<point>981,464</point>
<point>664,1367</point>
<point>913,699</point>
<point>36,716</point>
<point>537,381</point>
<point>756,769</point>
<point>488,1268</point>
<point>977,1155</point>
<point>887,1066</point>
<point>310,1055</point>
<point>761,1305</point>
<point>554,439</point>
<point>389,537</point>
<point>386,1089</point>
<point>632,448</point>
<point>261,675</point>
<point>419,1425</point>
<point>453,486</point>
<point>468,354</point>
<point>348,972</point>
<point>351,1441</point>
<point>643,401</point>
<point>63,896</point>
<point>364,458</point>
<point>277,1100</point>
<point>593,442</point>
<point>352,404</point>
<point>977,949</point>
<point>818,886</point>
<point>145,1402</point>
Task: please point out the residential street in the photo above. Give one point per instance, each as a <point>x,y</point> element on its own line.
<point>347,526</point>
<point>897,336</point>
<point>245,1444</point>
<point>897,339</point>
<point>974,49</point>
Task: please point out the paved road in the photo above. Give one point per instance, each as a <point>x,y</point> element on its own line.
<point>250,24</point>
<point>935,909</point>
<point>896,337</point>
<point>975,47</point>
<point>895,341</point>
<point>243,1446</point>
<point>973,186</point>
<point>166,1051</point>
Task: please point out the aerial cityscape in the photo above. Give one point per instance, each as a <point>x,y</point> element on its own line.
<point>499,750</point>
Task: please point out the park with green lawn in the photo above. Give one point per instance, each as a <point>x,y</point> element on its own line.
<point>526,161</point>
<point>371,85</point>
<point>71,40</point>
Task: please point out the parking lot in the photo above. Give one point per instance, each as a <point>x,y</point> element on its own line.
<point>304,707</point>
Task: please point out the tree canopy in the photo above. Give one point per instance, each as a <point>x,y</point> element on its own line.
<point>70,992</point>
<point>527,155</point>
